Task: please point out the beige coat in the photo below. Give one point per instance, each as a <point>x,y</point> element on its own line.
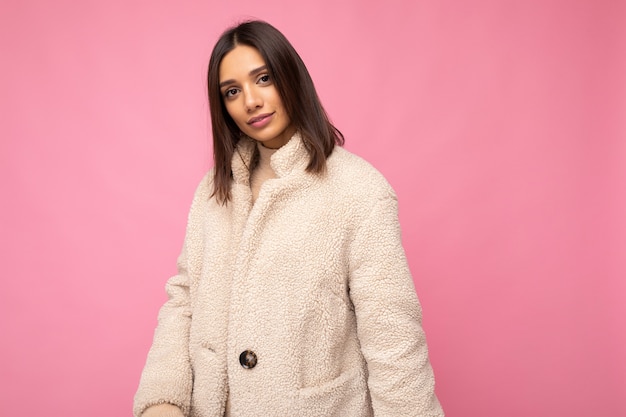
<point>313,279</point>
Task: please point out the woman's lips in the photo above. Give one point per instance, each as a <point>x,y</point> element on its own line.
<point>261,120</point>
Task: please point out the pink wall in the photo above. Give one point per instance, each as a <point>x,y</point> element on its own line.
<point>500,124</point>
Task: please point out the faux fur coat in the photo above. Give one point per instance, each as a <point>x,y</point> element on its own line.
<point>299,305</point>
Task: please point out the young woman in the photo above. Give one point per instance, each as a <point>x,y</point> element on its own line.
<point>293,296</point>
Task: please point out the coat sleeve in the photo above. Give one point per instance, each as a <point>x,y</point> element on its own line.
<point>388,313</point>
<point>167,376</point>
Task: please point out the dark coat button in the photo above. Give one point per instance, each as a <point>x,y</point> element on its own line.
<point>247,359</point>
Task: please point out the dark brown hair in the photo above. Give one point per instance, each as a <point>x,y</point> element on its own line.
<point>296,90</point>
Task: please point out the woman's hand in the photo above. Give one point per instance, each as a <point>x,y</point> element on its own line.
<point>163,410</point>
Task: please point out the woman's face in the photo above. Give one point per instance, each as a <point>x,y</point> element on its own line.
<point>251,98</point>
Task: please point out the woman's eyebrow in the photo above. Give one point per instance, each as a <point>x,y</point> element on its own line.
<point>257,70</point>
<point>251,73</point>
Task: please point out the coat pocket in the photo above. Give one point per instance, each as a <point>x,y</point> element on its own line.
<point>346,395</point>
<point>209,384</point>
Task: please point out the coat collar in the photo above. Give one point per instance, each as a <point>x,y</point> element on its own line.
<point>290,158</point>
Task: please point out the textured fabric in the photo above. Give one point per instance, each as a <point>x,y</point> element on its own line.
<point>312,278</point>
<point>263,171</point>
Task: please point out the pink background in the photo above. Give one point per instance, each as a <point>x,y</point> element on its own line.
<point>501,124</point>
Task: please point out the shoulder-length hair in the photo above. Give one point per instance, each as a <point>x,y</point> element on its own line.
<point>296,90</point>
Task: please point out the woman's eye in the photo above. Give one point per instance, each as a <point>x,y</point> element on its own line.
<point>230,92</point>
<point>264,79</point>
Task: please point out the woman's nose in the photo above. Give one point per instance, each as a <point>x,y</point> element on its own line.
<point>253,100</point>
